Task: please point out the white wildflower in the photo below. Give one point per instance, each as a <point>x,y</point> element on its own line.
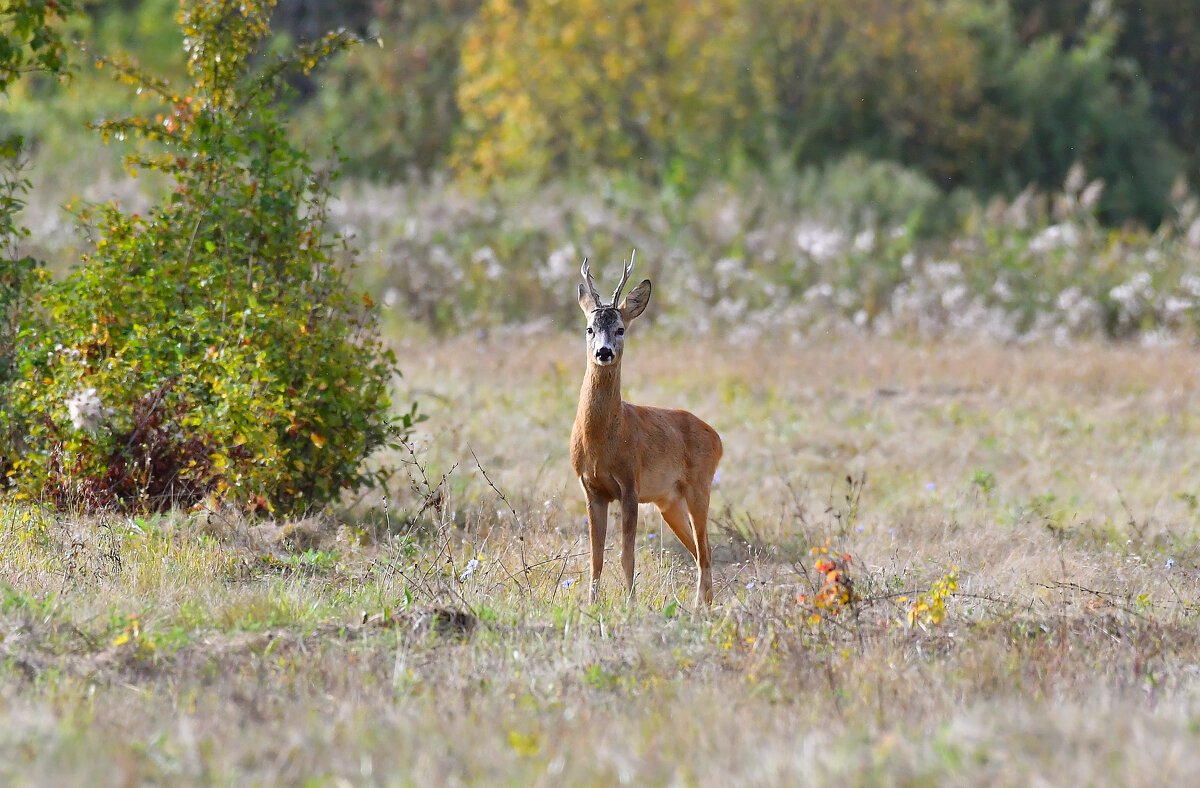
<point>86,409</point>
<point>1056,236</point>
<point>864,241</point>
<point>492,267</point>
<point>561,264</point>
<point>1133,295</point>
<point>1190,283</point>
<point>1090,197</point>
<point>819,242</point>
<point>1176,308</point>
<point>1078,313</point>
<point>1076,178</point>
<point>819,293</point>
<point>944,273</point>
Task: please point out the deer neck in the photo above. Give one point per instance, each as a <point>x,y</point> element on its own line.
<point>599,411</point>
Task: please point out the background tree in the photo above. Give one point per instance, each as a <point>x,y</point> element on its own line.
<point>393,102</point>
<point>650,88</point>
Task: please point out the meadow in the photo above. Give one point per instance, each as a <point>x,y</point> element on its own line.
<point>1040,501</point>
<point>940,295</point>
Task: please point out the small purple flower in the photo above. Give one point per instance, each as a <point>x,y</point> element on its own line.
<point>1170,563</point>
<point>930,486</point>
<point>570,581</point>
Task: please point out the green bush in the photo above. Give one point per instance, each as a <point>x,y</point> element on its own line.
<point>211,348</point>
<point>31,41</point>
<point>19,275</point>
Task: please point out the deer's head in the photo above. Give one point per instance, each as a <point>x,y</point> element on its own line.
<point>606,323</point>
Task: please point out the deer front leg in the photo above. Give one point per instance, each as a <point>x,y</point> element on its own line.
<point>597,530</point>
<point>629,514</point>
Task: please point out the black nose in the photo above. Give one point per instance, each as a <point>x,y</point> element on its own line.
<point>604,354</point>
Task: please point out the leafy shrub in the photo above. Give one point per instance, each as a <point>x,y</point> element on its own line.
<point>19,275</point>
<point>211,347</point>
<point>30,41</point>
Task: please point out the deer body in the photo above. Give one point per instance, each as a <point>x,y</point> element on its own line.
<point>634,454</point>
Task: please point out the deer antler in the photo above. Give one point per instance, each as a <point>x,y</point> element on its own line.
<point>591,283</point>
<point>624,278</point>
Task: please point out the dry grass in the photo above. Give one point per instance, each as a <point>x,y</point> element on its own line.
<point>1061,482</point>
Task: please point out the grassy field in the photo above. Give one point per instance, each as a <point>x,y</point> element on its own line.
<point>442,636</point>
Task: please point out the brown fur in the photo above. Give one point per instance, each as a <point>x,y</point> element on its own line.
<point>635,454</point>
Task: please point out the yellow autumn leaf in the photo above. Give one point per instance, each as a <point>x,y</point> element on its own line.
<point>318,440</point>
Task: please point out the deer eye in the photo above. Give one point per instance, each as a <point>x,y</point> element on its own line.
<point>589,331</point>
<point>620,332</point>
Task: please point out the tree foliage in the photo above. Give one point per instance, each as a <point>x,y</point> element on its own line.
<point>31,38</point>
<point>623,84</point>
<point>949,88</point>
<point>892,80</point>
<point>991,95</point>
<point>210,348</point>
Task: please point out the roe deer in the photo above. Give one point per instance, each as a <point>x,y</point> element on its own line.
<point>634,454</point>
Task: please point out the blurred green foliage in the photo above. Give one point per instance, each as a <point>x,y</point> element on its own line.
<point>211,348</point>
<point>987,95</point>
<point>660,89</point>
<point>390,103</point>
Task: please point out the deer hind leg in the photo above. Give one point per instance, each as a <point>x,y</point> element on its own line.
<point>629,514</point>
<point>676,515</point>
<point>697,504</point>
<point>597,530</point>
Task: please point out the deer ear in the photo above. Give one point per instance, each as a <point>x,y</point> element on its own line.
<point>587,301</point>
<point>635,303</point>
